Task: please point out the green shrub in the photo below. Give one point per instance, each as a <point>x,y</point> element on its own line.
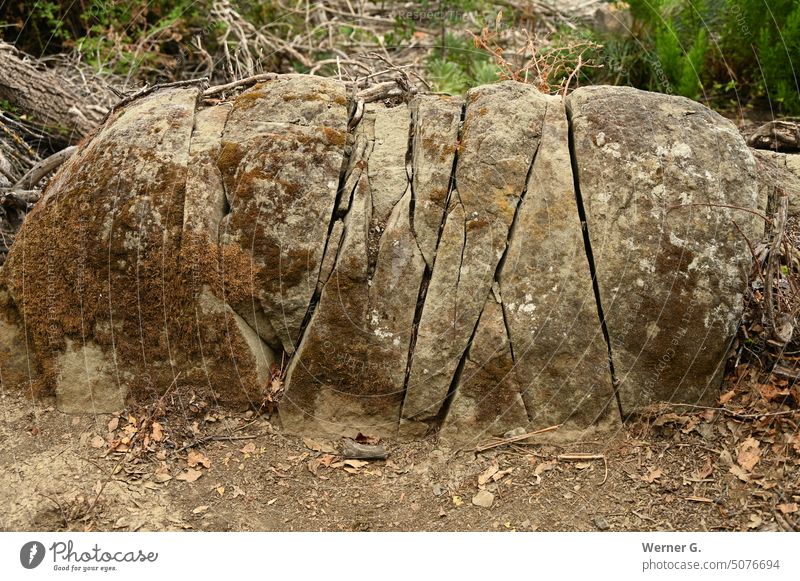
<point>457,66</point>
<point>721,49</point>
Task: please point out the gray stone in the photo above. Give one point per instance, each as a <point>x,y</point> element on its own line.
<point>560,353</point>
<point>499,137</point>
<point>18,362</point>
<point>487,400</point>
<point>88,381</point>
<point>670,267</point>
<point>436,124</point>
<point>281,155</point>
<point>778,174</point>
<point>601,523</point>
<point>349,371</point>
<point>484,499</point>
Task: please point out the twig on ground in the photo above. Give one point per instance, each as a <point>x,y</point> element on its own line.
<point>216,438</point>
<point>733,413</point>
<point>504,441</point>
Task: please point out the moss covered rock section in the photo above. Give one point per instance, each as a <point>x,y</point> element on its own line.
<point>475,265</point>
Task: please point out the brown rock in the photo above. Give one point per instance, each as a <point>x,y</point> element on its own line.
<point>348,373</point>
<point>281,155</point>
<point>500,135</point>
<point>670,267</point>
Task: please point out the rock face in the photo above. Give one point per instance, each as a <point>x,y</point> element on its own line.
<point>538,357</point>
<point>500,136</point>
<point>656,174</point>
<point>778,175</point>
<point>281,155</point>
<point>369,298</point>
<point>481,266</point>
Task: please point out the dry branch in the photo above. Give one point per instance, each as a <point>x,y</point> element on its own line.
<point>502,442</point>
<point>55,104</point>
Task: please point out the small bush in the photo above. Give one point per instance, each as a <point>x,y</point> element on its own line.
<point>721,49</point>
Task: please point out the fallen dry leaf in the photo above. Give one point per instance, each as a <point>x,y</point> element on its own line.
<point>770,392</point>
<point>487,474</point>
<point>220,490</point>
<point>369,440</point>
<point>200,509</point>
<point>249,448</point>
<point>705,471</point>
<point>319,446</point>
<point>788,508</point>
<point>653,475</point>
<point>195,458</point>
<point>191,475</point>
<point>355,463</point>
<point>739,473</point>
<point>749,454</point>
<point>544,467</point>
<point>670,418</point>
<point>726,397</point>
<point>97,442</point>
<point>113,424</point>
<point>157,433</point>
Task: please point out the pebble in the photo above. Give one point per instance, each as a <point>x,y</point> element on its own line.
<point>484,499</point>
<point>438,490</point>
<point>601,523</point>
<point>514,432</point>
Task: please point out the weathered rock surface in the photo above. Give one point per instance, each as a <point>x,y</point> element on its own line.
<point>498,140</point>
<point>561,356</point>
<point>282,153</point>
<point>778,175</point>
<point>411,270</point>
<point>18,362</point>
<point>349,371</point>
<point>100,275</point>
<point>96,255</point>
<point>655,175</point>
<point>436,125</point>
<point>538,357</point>
<point>87,381</point>
<point>487,400</point>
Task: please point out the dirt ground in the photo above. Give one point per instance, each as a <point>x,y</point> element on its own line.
<point>706,471</point>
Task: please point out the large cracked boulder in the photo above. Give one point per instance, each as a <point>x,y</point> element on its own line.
<point>662,182</point>
<point>508,260</point>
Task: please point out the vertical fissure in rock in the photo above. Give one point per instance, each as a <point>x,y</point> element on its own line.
<point>494,289</point>
<point>347,154</point>
<point>410,171</point>
<point>498,272</point>
<point>428,271</point>
<point>226,203</point>
<point>451,391</point>
<point>587,244</point>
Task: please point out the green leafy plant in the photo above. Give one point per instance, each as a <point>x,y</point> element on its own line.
<point>721,49</point>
